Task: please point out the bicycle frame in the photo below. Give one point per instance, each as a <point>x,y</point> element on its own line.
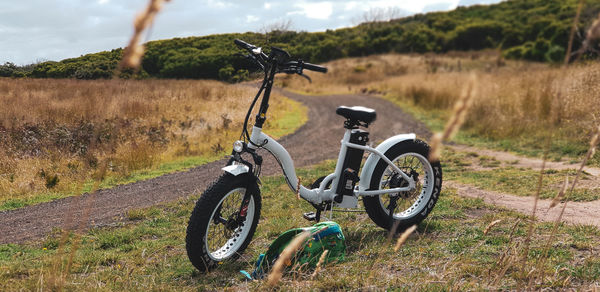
<point>217,231</point>
<point>258,139</point>
<point>321,194</point>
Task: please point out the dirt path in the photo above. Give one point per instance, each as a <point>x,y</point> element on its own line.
<point>575,212</point>
<point>315,141</point>
<point>526,162</point>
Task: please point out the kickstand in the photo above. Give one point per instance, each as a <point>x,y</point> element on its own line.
<point>392,209</point>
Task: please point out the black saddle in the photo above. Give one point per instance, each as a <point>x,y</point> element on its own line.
<point>357,113</point>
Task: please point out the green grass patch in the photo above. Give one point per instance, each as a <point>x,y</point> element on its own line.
<point>523,182</point>
<point>290,122</point>
<point>448,251</point>
<point>466,167</point>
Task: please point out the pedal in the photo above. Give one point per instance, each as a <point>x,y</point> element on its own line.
<point>310,216</point>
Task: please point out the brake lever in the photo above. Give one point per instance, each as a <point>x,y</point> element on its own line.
<point>305,76</point>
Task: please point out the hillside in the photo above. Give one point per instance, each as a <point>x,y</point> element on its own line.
<point>536,30</point>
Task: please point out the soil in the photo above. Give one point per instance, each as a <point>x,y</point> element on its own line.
<point>575,212</point>
<point>526,162</point>
<point>315,141</point>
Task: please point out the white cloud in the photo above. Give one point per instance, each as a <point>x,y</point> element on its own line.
<point>267,5</point>
<point>251,18</point>
<point>350,5</point>
<point>410,6</point>
<point>318,10</point>
<point>219,4</point>
<point>103,1</point>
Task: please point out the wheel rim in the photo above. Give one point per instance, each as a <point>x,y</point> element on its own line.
<point>410,202</point>
<point>223,241</point>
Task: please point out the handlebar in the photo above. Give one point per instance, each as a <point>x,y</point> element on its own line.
<point>289,67</point>
<point>244,45</point>
<point>313,67</point>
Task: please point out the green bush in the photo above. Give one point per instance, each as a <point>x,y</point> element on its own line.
<point>11,70</point>
<point>477,36</point>
<point>226,72</point>
<point>536,30</point>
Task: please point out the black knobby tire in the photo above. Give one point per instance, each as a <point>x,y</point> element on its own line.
<point>424,199</point>
<point>215,197</point>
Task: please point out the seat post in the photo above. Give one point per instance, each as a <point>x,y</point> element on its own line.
<point>354,124</point>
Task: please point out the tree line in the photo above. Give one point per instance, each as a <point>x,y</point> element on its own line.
<point>536,30</point>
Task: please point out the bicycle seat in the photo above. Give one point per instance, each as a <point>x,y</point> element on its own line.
<point>358,113</point>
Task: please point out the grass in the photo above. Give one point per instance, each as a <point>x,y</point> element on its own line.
<point>448,251</point>
<point>523,182</point>
<point>518,107</point>
<point>179,164</point>
<point>490,174</point>
<point>60,137</point>
<point>526,144</point>
<point>506,114</point>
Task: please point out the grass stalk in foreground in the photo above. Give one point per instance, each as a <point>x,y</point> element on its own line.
<point>590,153</point>
<point>461,107</point>
<point>132,55</point>
<point>285,258</point>
<point>532,218</point>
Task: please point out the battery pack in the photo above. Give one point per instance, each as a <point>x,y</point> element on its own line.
<point>351,165</point>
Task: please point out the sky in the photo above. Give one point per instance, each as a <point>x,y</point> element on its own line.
<point>40,30</point>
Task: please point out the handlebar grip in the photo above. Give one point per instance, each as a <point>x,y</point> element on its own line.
<point>313,67</point>
<point>243,45</point>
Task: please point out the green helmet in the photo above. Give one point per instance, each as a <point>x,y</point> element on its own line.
<point>324,236</point>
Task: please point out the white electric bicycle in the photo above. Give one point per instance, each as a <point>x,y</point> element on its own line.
<point>398,185</point>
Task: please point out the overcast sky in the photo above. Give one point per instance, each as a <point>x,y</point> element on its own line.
<point>39,30</point>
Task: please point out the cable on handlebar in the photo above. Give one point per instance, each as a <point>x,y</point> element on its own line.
<point>245,135</point>
<point>270,63</point>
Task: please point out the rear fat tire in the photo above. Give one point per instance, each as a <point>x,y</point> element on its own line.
<point>373,205</point>
<point>196,235</point>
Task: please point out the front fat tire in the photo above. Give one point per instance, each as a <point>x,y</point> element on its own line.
<point>372,204</point>
<point>196,245</point>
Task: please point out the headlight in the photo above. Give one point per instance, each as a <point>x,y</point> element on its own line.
<point>238,146</point>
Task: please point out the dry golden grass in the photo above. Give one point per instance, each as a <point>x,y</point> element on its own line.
<point>514,98</point>
<point>560,194</point>
<point>514,101</point>
<point>461,108</point>
<point>285,258</point>
<point>404,236</point>
<point>489,227</point>
<point>132,56</point>
<point>55,134</point>
<point>319,264</point>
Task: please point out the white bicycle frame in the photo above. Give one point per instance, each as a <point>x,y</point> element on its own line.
<point>321,194</point>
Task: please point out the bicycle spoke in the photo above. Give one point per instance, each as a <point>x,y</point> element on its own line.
<point>414,167</point>
<point>223,229</point>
